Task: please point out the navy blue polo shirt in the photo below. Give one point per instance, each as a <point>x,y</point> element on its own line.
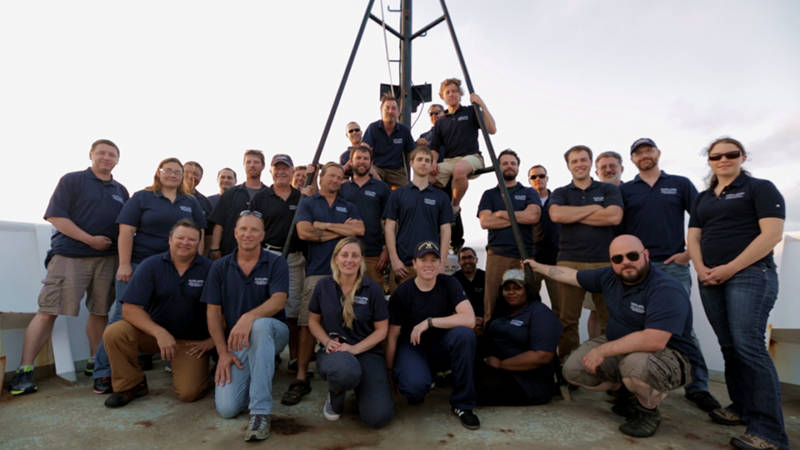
<point>93,205</point>
<point>226,213</point>
<point>456,134</point>
<point>473,289</point>
<point>656,214</point>
<point>370,199</point>
<point>205,204</point>
<point>658,302</point>
<point>545,236</point>
<point>580,242</point>
<point>418,214</point>
<point>409,306</point>
<point>389,151</point>
<point>172,300</point>
<point>316,209</point>
<point>213,200</point>
<point>228,286</point>
<point>153,215</point>
<point>369,306</point>
<point>278,214</point>
<point>729,223</point>
<point>535,328</point>
<point>502,240</point>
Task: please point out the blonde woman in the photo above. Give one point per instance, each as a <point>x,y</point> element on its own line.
<point>349,316</point>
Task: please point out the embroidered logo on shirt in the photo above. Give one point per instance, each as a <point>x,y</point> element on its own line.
<point>370,193</point>
<point>397,140</point>
<point>637,308</point>
<point>517,322</point>
<point>292,207</point>
<point>734,196</point>
<point>261,281</point>
<point>430,201</point>
<point>360,300</point>
<point>520,197</point>
<point>187,209</point>
<point>341,209</point>
<point>669,191</point>
<point>599,198</point>
<point>460,118</point>
<point>117,198</point>
<point>195,283</point>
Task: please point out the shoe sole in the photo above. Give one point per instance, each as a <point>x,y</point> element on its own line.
<point>28,390</point>
<point>252,437</point>
<point>99,392</point>
<point>292,402</point>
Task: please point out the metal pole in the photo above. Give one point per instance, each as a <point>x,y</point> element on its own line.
<point>500,181</point>
<point>332,113</point>
<point>405,62</point>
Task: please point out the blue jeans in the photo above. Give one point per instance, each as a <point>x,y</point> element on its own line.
<point>251,386</point>
<point>102,368</point>
<point>738,311</point>
<point>699,369</point>
<point>413,365</point>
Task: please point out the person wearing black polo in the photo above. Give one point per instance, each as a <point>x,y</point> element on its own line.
<point>545,234</point>
<point>370,197</point>
<point>473,281</point>
<point>322,220</point>
<point>414,213</point>
<point>588,211</point>
<point>391,143</point>
<point>234,201</point>
<point>226,179</point>
<point>502,252</point>
<point>655,207</point>
<point>430,330</point>
<point>162,312</point>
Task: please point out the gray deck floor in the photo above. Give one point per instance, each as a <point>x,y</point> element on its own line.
<point>69,415</point>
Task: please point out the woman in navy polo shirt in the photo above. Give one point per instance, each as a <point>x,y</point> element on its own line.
<point>348,314</point>
<point>733,228</point>
<point>519,348</point>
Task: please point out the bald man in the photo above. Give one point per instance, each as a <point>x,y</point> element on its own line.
<point>642,355</point>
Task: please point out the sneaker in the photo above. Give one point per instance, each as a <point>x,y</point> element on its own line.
<point>22,383</point>
<point>102,385</point>
<point>297,390</point>
<point>643,423</point>
<point>258,429</point>
<point>89,369</point>
<point>468,418</point>
<point>751,442</point>
<point>119,399</point>
<point>704,400</point>
<point>725,416</point>
<point>334,406</point>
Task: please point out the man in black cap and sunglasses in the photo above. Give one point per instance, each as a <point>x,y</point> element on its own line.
<point>643,353</point>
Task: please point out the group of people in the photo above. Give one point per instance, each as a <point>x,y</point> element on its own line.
<point>308,262</point>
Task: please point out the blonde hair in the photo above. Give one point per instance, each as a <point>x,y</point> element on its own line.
<point>347,300</point>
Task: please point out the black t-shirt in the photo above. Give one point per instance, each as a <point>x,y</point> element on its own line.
<point>278,214</point>
<point>473,289</point>
<point>232,202</point>
<point>409,306</point>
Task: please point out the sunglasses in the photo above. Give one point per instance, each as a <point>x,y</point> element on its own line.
<point>540,176</point>
<point>435,113</point>
<point>354,130</point>
<point>250,212</point>
<point>632,257</point>
<point>728,155</point>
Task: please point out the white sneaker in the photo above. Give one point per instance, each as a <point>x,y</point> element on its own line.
<point>328,411</point>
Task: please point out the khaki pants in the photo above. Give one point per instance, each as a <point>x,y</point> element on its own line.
<point>395,281</point>
<point>393,177</point>
<point>570,299</point>
<point>372,272</point>
<point>552,290</point>
<point>496,266</point>
<point>124,342</point>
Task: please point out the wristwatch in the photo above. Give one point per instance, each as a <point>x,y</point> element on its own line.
<point>430,323</point>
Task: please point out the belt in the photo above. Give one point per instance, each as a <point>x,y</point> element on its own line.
<point>273,248</point>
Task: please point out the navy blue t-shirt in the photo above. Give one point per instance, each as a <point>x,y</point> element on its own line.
<point>389,151</point>
<point>228,286</point>
<point>545,236</point>
<point>580,242</point>
<point>456,134</point>
<point>729,223</point>
<point>153,215</point>
<point>315,209</point>
<point>409,306</point>
<point>659,302</point>
<point>418,214</point>
<point>656,214</point>
<point>172,300</point>
<point>535,328</point>
<point>370,199</point>
<point>213,200</point>
<point>93,205</point>
<point>370,306</point>
<point>501,240</point>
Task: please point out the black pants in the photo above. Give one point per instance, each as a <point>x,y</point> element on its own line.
<point>500,388</point>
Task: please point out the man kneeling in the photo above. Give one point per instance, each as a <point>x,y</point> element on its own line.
<point>162,312</point>
<point>642,355</point>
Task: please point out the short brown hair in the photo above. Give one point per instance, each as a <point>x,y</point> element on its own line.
<point>103,142</point>
<point>609,154</point>
<point>448,81</point>
<point>257,153</point>
<point>538,166</point>
<point>387,97</point>
<point>196,164</point>
<point>420,149</point>
<point>328,165</point>
<point>577,148</point>
<point>360,148</point>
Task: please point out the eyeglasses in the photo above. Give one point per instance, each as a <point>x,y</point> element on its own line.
<point>540,176</point>
<point>353,130</point>
<point>168,172</point>
<point>435,113</point>
<point>728,155</point>
<point>632,257</point>
<point>250,212</point>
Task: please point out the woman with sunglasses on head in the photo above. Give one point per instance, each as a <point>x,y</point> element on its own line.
<point>519,348</point>
<point>733,228</point>
<point>349,316</point>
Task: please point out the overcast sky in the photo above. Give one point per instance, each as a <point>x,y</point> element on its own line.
<point>206,80</point>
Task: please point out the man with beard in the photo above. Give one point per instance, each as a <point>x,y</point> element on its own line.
<point>502,252</point>
<point>655,203</point>
<point>608,167</point>
<point>643,354</point>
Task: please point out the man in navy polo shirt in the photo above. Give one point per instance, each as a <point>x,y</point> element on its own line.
<point>655,203</point>
<point>435,112</point>
<point>588,211</point>
<point>322,220</point>
<point>502,253</point>
<point>162,312</point>
<point>192,175</point>
<point>82,257</point>
<point>455,140</point>
<point>226,179</point>
<point>370,197</point>
<point>649,335</point>
<point>234,201</point>
<point>391,143</point>
<point>545,233</point>
<point>415,212</point>
<point>246,292</point>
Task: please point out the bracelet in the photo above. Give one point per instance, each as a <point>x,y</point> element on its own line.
<point>430,323</point>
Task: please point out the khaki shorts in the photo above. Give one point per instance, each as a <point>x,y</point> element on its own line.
<point>68,279</point>
<point>393,177</point>
<point>446,167</point>
<point>588,303</point>
<point>308,290</point>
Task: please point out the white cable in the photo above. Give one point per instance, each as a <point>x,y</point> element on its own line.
<point>386,48</point>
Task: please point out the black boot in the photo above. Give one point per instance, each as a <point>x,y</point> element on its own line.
<point>643,423</point>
